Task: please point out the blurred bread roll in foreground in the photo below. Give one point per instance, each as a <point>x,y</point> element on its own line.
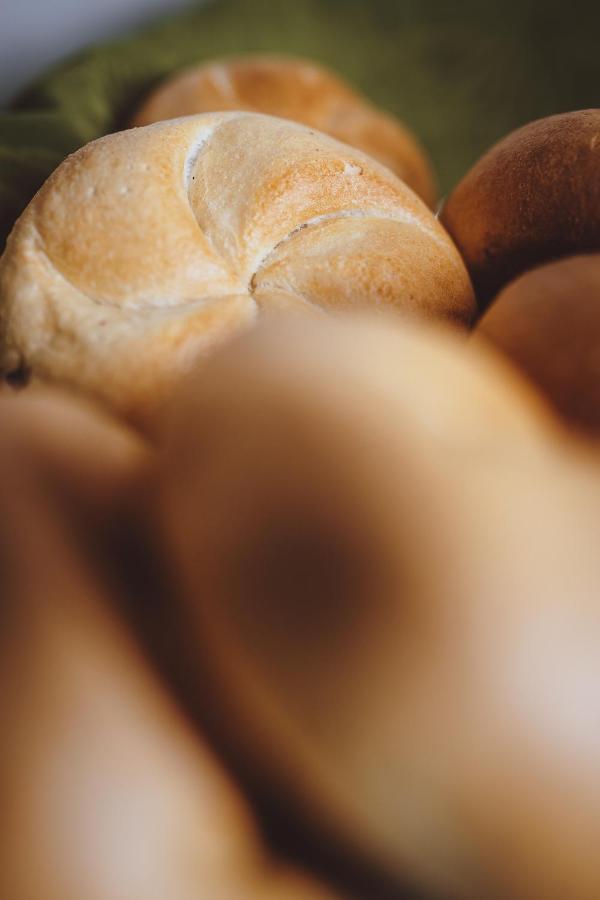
<point>534,197</point>
<point>548,323</point>
<point>387,551</point>
<point>148,248</point>
<point>90,459</point>
<point>107,793</point>
<point>297,89</point>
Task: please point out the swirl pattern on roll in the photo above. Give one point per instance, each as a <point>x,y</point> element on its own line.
<point>148,247</point>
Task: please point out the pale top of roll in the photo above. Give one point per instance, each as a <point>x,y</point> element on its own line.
<point>147,248</point>
<point>297,89</point>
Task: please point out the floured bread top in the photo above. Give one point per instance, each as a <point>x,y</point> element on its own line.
<point>296,89</point>
<point>147,248</point>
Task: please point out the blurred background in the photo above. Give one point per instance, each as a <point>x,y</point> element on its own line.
<point>461,74</point>
<point>36,33</point>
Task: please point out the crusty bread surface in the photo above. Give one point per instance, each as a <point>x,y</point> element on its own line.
<point>147,248</point>
<point>532,198</point>
<point>548,323</point>
<point>297,89</point>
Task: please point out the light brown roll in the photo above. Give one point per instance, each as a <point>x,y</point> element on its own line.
<point>89,460</point>
<point>107,792</point>
<point>548,323</point>
<point>148,248</point>
<point>300,90</point>
<point>534,197</point>
<point>387,552</point>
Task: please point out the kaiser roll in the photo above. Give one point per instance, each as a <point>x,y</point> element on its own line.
<point>297,89</point>
<point>146,249</point>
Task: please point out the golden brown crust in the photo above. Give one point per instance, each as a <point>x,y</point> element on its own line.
<point>147,248</point>
<point>90,459</point>
<point>300,90</point>
<point>107,791</point>
<point>366,536</point>
<point>534,197</point>
<point>90,738</point>
<point>548,323</point>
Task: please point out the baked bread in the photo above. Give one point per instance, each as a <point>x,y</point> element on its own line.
<point>548,323</point>
<point>91,460</point>
<point>91,744</point>
<point>534,197</point>
<point>107,792</point>
<point>369,523</point>
<point>147,248</point>
<point>297,89</point>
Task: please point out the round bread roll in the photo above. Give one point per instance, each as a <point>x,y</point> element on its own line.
<point>107,793</point>
<point>146,249</point>
<point>387,552</point>
<point>548,323</point>
<point>300,90</point>
<point>91,459</point>
<point>534,197</point>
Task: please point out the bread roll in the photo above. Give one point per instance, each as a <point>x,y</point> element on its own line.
<point>387,552</point>
<point>533,197</point>
<point>90,459</point>
<point>300,90</point>
<point>148,248</point>
<point>548,323</point>
<point>107,793</point>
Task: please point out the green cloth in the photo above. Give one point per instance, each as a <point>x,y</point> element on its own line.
<point>461,74</point>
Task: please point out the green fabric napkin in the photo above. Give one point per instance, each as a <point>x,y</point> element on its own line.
<point>461,74</point>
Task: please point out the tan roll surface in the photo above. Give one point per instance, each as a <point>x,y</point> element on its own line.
<point>300,90</point>
<point>148,248</point>
<point>388,558</point>
<point>548,323</point>
<point>89,459</point>
<point>107,792</point>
